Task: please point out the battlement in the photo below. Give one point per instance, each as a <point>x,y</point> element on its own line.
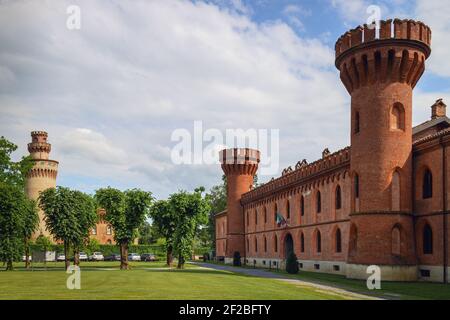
<point>39,133</point>
<point>239,160</point>
<point>396,54</point>
<point>301,174</point>
<point>397,29</point>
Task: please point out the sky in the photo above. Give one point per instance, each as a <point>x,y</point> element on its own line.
<point>112,93</point>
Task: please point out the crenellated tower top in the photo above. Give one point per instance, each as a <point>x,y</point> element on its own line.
<point>240,161</point>
<point>397,54</point>
<point>39,148</point>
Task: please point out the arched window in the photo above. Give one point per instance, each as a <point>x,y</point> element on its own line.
<point>256,244</point>
<point>395,191</point>
<point>288,209</point>
<point>275,244</point>
<point>275,213</point>
<point>427,185</point>
<point>427,240</point>
<point>94,230</point>
<point>302,242</point>
<point>265,244</point>
<point>398,117</point>
<point>396,241</point>
<point>248,244</point>
<point>356,182</point>
<point>338,198</point>
<point>318,242</point>
<point>109,241</point>
<point>356,128</point>
<point>108,230</point>
<point>318,202</point>
<point>256,217</point>
<point>338,240</point>
<point>302,206</point>
<point>248,221</point>
<point>353,241</point>
<point>265,215</point>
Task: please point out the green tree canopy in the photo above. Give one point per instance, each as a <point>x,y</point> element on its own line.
<point>164,219</point>
<point>126,212</point>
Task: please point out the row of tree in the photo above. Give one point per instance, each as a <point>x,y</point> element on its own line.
<point>70,215</point>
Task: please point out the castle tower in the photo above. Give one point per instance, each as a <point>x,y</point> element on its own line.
<point>380,74</point>
<point>43,174</point>
<point>239,166</point>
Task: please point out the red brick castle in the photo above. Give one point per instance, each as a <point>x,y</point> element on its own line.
<point>382,201</point>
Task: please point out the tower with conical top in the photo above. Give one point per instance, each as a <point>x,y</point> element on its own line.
<point>43,174</point>
<point>380,74</point>
<point>240,166</point>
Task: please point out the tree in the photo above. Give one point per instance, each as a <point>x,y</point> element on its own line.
<point>148,233</point>
<point>14,205</point>
<point>217,198</point>
<point>87,218</point>
<point>164,219</point>
<point>69,215</point>
<point>192,210</point>
<point>31,222</point>
<point>125,211</point>
<point>291,263</point>
<point>43,243</point>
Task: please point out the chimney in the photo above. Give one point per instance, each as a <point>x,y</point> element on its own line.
<point>438,109</point>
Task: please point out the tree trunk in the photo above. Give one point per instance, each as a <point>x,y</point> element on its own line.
<point>180,262</point>
<point>124,256</point>
<point>169,256</point>
<point>76,257</point>
<point>9,265</point>
<point>66,256</point>
<point>27,255</point>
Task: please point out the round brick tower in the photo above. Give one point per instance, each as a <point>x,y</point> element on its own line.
<point>43,174</point>
<point>239,166</point>
<point>380,75</point>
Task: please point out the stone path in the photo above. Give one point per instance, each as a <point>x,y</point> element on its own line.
<point>267,274</point>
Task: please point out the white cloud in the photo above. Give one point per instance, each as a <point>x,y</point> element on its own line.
<point>136,72</point>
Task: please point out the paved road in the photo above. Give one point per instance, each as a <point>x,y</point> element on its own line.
<point>267,274</point>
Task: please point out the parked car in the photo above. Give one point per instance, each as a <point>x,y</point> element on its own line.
<point>60,257</point>
<point>83,256</point>
<point>96,256</point>
<point>113,257</point>
<point>148,257</point>
<point>134,257</point>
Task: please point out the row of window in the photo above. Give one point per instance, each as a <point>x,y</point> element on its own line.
<point>317,242</point>
<point>108,230</point>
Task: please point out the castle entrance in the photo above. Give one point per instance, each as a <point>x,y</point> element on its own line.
<point>288,245</point>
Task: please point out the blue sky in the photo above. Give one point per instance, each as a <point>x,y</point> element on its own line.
<point>111,94</point>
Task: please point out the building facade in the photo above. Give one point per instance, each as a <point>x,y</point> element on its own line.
<point>381,201</point>
<point>42,176</point>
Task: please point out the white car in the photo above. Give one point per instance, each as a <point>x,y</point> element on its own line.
<point>96,256</point>
<point>24,258</point>
<point>134,257</point>
<point>83,256</point>
<point>60,257</point>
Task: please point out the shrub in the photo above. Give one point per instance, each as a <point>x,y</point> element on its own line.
<point>236,259</point>
<point>291,263</point>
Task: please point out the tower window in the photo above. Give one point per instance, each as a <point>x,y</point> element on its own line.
<point>318,242</point>
<point>427,240</point>
<point>356,128</point>
<point>276,243</point>
<point>288,210</point>
<point>256,217</point>
<point>318,202</point>
<point>302,242</point>
<point>427,185</point>
<point>256,244</point>
<point>265,244</point>
<point>338,241</point>
<point>302,206</point>
<point>338,198</point>
<point>356,186</point>
<point>265,215</point>
<point>109,230</point>
<point>398,117</point>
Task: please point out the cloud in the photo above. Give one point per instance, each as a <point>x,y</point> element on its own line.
<point>111,94</point>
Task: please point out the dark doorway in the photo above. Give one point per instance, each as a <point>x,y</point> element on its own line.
<point>288,245</point>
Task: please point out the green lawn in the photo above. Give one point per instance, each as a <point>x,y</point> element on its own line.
<point>148,280</point>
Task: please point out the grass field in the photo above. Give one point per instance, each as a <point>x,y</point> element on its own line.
<point>147,280</point>
<point>389,290</point>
